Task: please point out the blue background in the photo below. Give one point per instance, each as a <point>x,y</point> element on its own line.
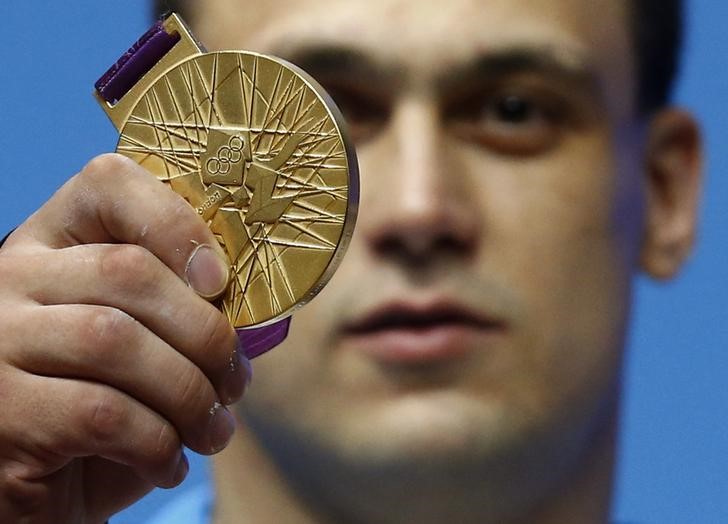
<point>674,456</point>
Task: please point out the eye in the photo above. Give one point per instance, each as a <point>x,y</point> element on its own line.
<point>509,121</point>
<point>514,109</point>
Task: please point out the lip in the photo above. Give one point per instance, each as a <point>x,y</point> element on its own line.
<point>433,331</point>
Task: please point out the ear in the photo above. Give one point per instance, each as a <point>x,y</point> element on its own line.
<point>673,181</point>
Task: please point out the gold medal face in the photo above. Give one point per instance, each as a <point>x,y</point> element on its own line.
<point>255,146</point>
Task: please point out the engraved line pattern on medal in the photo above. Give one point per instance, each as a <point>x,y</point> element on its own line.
<point>286,190</point>
<point>275,112</point>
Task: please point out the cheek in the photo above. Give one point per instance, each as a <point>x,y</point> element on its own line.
<point>557,237</point>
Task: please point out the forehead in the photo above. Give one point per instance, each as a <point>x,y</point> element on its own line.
<point>430,36</point>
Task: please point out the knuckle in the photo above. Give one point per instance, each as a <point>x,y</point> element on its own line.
<point>105,329</point>
<point>126,266</point>
<point>104,416</point>
<point>103,166</point>
<point>26,499</point>
<point>194,389</point>
<point>218,339</point>
<point>167,445</point>
<point>194,392</point>
<point>8,268</point>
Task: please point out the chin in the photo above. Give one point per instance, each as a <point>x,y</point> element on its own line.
<point>465,414</point>
<point>434,427</point>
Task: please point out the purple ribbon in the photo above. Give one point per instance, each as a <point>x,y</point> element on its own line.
<point>257,341</point>
<point>137,61</point>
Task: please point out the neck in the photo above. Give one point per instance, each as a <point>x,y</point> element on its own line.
<point>251,488</point>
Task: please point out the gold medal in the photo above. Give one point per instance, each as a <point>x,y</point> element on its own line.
<point>258,150</point>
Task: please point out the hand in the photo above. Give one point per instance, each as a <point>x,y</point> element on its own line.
<point>110,357</point>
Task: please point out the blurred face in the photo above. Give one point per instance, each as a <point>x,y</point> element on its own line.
<point>482,302</point>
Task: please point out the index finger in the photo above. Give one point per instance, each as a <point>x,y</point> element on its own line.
<point>114,200</point>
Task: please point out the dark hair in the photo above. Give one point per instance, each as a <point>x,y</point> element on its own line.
<point>657,32</point>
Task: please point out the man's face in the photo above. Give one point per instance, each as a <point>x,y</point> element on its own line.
<point>483,299</point>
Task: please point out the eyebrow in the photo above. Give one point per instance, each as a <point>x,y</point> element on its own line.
<point>559,63</point>
<point>320,61</point>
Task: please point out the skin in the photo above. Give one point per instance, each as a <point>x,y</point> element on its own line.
<point>541,222</point>
<point>109,359</point>
<point>535,219</point>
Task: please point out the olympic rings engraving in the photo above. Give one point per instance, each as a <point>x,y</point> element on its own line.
<point>226,156</point>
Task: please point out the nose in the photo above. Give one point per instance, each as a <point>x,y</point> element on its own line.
<point>418,203</point>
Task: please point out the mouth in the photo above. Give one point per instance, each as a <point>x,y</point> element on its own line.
<point>410,333</point>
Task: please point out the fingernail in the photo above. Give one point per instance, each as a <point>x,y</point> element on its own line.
<point>241,373</point>
<point>222,427</point>
<point>242,361</point>
<point>183,466</point>
<point>206,272</point>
